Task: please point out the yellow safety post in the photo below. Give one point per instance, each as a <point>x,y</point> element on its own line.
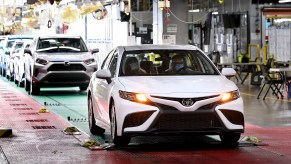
<point>258,58</point>
<point>265,54</point>
<point>258,50</point>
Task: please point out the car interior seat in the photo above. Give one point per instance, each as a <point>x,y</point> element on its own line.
<point>147,66</point>
<point>130,66</point>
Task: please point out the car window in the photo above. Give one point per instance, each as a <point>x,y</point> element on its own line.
<point>113,64</point>
<point>166,62</point>
<point>18,45</point>
<point>107,60</point>
<point>10,44</point>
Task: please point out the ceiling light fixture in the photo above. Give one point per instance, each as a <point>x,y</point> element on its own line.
<point>194,11</point>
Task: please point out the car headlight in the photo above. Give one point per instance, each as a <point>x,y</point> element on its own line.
<point>89,61</point>
<point>135,97</point>
<point>41,61</point>
<point>229,96</point>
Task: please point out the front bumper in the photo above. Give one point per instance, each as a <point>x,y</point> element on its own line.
<point>58,74</point>
<point>164,119</point>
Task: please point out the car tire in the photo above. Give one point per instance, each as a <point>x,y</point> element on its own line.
<point>34,90</point>
<point>117,140</point>
<point>21,84</point>
<point>4,73</point>
<point>27,85</point>
<point>229,137</point>
<point>15,81</point>
<point>94,129</point>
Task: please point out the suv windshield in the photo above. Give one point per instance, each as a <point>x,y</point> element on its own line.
<point>165,62</point>
<point>61,45</point>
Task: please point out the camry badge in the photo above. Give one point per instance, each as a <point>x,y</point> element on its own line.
<point>187,102</point>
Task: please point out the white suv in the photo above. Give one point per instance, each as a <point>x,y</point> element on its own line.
<point>58,61</point>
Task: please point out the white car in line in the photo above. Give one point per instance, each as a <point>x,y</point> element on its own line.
<point>18,57</point>
<point>13,56</point>
<point>163,89</point>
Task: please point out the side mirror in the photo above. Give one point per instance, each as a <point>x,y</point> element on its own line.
<point>28,51</point>
<point>104,74</point>
<point>228,72</point>
<point>95,50</point>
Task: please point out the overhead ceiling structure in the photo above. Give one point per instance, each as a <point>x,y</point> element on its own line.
<point>20,14</point>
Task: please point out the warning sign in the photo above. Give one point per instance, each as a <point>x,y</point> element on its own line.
<point>169,39</point>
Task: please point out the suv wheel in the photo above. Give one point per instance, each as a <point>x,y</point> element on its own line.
<point>21,83</point>
<point>34,90</point>
<point>27,85</point>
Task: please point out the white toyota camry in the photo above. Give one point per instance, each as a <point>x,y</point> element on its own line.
<point>163,89</point>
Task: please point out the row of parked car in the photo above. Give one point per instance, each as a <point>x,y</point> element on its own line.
<point>46,61</point>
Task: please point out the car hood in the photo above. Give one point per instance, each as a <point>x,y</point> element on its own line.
<point>181,85</point>
<point>65,56</point>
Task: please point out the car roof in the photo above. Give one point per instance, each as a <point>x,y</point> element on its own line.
<point>13,37</point>
<point>155,47</point>
<point>59,36</point>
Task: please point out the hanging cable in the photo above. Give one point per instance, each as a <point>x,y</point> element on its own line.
<point>141,19</point>
<point>185,21</point>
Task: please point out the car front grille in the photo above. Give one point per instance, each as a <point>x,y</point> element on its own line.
<point>209,106</point>
<point>63,67</point>
<point>187,121</point>
<point>181,99</point>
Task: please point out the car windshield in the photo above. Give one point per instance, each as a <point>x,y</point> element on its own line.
<point>10,44</point>
<point>165,62</point>
<point>61,45</point>
<point>18,45</point>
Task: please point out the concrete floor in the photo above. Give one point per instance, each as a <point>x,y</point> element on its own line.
<point>271,112</point>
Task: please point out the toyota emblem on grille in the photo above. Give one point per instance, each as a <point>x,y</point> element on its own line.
<point>67,63</point>
<point>187,102</point>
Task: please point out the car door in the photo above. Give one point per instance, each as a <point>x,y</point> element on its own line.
<point>103,88</point>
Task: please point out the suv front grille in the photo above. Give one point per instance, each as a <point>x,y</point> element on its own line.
<point>71,67</point>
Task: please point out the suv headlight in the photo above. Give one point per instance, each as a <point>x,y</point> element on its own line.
<point>229,96</point>
<point>135,97</point>
<point>89,61</point>
<point>41,61</point>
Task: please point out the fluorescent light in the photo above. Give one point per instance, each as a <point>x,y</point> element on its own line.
<point>284,1</point>
<point>214,13</point>
<point>194,11</point>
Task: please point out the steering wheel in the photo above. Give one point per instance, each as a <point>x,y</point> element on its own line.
<point>184,68</point>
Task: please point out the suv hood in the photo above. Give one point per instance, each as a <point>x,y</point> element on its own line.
<point>64,56</point>
<point>181,85</point>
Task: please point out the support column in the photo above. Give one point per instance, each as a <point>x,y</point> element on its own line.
<point>157,23</point>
